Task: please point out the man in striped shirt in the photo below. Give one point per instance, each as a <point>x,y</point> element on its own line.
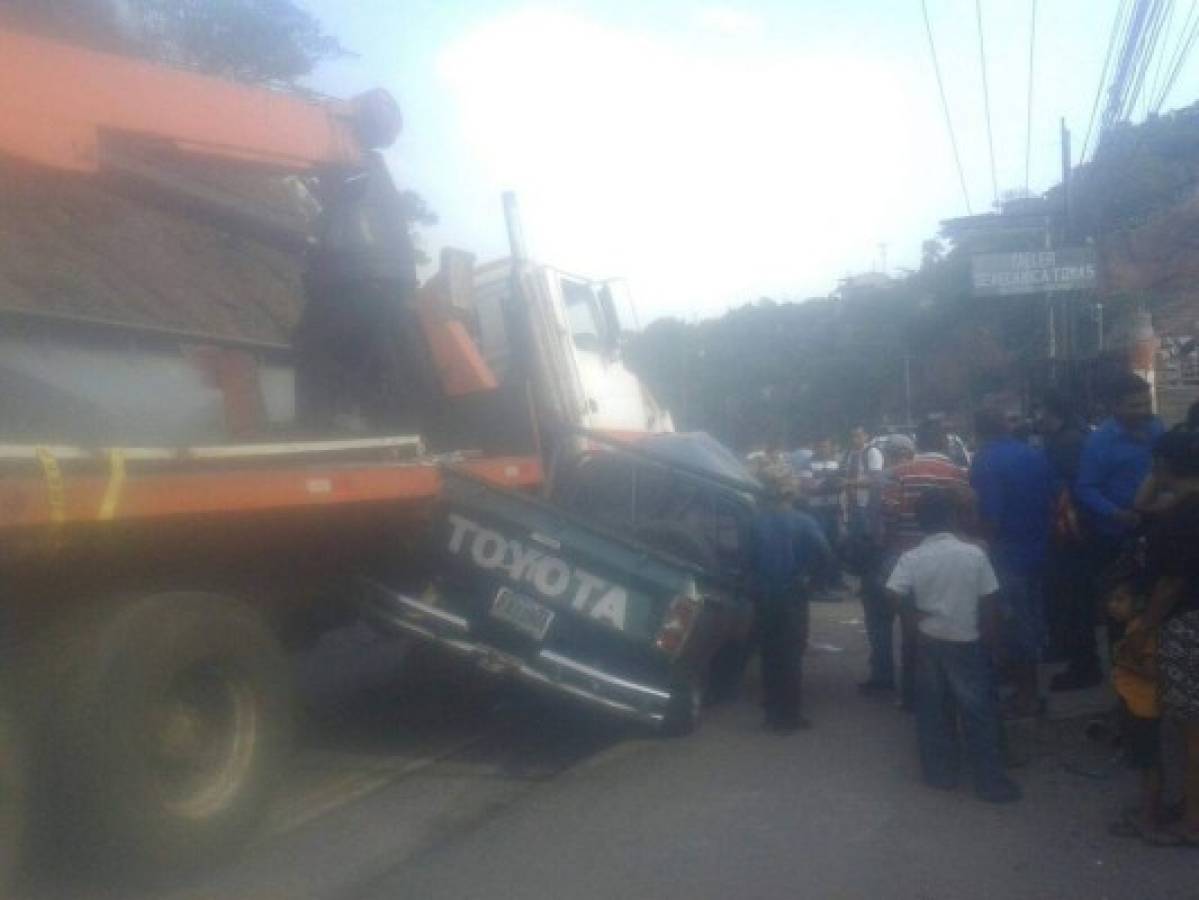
<point>931,468</point>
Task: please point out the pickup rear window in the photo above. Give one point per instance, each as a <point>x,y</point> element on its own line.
<point>675,513</point>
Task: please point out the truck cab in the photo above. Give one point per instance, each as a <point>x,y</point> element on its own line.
<point>578,333</point>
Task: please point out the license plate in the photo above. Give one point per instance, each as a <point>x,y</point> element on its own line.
<point>522,613</point>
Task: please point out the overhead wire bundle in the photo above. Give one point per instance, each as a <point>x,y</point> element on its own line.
<point>1141,32</point>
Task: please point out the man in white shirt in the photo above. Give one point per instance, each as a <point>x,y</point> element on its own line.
<point>863,473</point>
<point>950,588</point>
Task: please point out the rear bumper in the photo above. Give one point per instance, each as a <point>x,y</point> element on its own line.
<point>582,682</point>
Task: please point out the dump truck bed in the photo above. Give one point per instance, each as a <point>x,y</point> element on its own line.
<point>43,487</point>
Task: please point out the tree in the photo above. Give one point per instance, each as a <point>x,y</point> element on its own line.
<point>249,40</point>
<point>418,214</point>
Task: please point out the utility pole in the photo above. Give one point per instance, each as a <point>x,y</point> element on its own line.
<point>516,232</point>
<point>1067,186</point>
<point>1067,234</point>
<point>907,387</point>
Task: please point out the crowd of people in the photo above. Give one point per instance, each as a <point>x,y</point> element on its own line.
<point>1066,543</point>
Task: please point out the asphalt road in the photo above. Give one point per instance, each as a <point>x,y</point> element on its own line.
<point>418,787</point>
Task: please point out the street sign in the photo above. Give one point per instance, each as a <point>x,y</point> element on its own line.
<point>1037,272</point>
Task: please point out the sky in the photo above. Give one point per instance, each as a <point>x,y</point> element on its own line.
<point>715,153</point>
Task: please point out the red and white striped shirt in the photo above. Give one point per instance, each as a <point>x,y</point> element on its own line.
<point>903,485</point>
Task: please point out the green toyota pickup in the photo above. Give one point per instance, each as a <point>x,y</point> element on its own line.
<point>617,594</point>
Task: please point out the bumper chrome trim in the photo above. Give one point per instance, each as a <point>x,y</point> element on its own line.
<point>412,606</point>
<point>407,616</point>
<point>594,674</point>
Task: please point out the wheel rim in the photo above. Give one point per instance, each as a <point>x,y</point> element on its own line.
<point>204,735</point>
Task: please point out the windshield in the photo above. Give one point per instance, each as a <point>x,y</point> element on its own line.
<point>583,312</point>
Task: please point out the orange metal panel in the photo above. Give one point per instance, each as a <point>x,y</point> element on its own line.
<point>461,368</point>
<point>56,99</point>
<point>25,502</point>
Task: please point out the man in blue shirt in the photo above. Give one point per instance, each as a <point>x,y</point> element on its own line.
<point>1116,459</point>
<point>784,544</point>
<point>1014,488</point>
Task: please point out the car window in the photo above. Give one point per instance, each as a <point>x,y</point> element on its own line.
<point>583,316</point>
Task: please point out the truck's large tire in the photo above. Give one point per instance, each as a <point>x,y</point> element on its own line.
<point>14,797</point>
<point>172,721</point>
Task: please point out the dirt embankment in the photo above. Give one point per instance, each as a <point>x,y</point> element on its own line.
<point>1158,261</point>
<point>74,245</point>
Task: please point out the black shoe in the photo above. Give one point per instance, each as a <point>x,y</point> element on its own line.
<point>1002,790</point>
<point>1075,679</point>
<point>870,686</point>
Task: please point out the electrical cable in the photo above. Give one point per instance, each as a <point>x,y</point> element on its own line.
<point>1188,25</point>
<point>1160,89</point>
<point>1160,68</point>
<point>1130,47</point>
<point>1159,11</point>
<point>1107,62</point>
<point>982,61</point>
<point>1186,44</point>
<point>953,141</point>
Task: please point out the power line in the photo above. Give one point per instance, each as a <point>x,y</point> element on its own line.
<point>1160,69</point>
<point>1137,35</point>
<point>1032,55</point>
<point>1113,111</point>
<point>1164,72</point>
<point>982,61</point>
<point>1159,12</point>
<point>953,141</point>
<point>1107,62</point>
<point>1186,42</point>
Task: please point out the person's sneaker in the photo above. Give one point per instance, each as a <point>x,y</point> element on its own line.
<point>871,686</point>
<point>1075,680</point>
<point>1002,790</point>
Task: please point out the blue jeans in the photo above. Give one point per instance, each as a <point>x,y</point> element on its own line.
<point>829,519</point>
<point>880,623</point>
<point>1022,614</point>
<point>954,680</point>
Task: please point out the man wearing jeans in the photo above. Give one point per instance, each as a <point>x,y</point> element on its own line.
<point>1015,503</point>
<point>952,587</point>
<point>930,469</point>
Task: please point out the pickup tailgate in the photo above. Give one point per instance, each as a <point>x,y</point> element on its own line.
<point>528,589</point>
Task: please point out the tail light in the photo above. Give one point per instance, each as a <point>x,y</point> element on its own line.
<point>677,623</point>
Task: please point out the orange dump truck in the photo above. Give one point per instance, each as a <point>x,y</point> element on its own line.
<point>166,531</point>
